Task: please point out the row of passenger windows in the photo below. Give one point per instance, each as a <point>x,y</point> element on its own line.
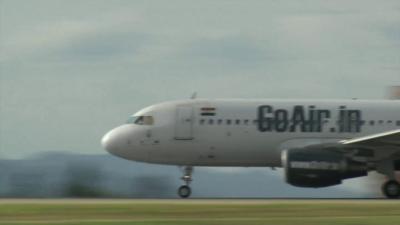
<point>254,122</point>
<point>227,121</point>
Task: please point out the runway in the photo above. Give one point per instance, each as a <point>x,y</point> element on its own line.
<point>200,211</point>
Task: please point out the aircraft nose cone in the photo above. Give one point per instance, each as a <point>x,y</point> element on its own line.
<point>110,142</point>
<point>119,140</point>
<point>123,141</point>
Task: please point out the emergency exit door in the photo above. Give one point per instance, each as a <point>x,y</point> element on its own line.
<point>184,123</point>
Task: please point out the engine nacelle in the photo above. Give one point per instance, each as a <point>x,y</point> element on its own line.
<point>319,167</point>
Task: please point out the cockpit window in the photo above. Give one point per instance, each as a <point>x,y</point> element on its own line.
<point>141,120</point>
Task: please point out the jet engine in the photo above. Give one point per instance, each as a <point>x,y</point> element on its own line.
<point>308,167</point>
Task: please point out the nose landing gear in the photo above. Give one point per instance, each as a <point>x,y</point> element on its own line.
<point>185,191</point>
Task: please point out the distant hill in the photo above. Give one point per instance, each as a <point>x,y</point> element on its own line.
<point>73,175</point>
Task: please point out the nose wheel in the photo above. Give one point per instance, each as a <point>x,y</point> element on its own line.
<point>185,191</point>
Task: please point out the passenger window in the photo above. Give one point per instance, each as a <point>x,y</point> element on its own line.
<point>202,121</point>
<point>228,122</point>
<point>380,122</point>
<point>219,121</point>
<point>372,122</point>
<point>255,122</point>
<point>398,122</point>
<point>389,121</point>
<point>210,121</point>
<point>246,122</point>
<point>237,122</point>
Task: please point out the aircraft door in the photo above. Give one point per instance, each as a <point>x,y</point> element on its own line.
<point>184,123</point>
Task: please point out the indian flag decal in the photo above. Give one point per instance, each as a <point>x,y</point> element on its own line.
<point>207,111</point>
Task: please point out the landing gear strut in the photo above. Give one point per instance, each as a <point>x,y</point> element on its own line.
<point>185,191</point>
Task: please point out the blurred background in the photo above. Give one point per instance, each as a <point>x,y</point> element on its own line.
<point>50,175</point>
<point>71,70</point>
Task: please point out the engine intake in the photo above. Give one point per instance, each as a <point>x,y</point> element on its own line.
<point>306,167</point>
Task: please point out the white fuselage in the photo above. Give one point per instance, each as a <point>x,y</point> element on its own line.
<point>203,132</point>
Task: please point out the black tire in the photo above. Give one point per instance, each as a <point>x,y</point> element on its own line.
<point>391,189</point>
<point>184,191</point>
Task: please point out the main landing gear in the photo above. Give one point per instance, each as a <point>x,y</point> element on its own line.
<point>185,191</point>
<point>391,189</point>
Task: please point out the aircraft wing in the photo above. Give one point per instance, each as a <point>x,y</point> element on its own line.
<point>375,147</point>
<point>385,139</point>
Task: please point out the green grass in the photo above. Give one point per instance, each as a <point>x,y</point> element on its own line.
<point>184,212</point>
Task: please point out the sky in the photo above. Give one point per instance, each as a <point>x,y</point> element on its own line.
<point>71,70</point>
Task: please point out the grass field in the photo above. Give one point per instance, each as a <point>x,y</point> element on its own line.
<point>216,212</point>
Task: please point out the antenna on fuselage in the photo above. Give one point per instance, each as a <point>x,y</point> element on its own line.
<point>194,95</point>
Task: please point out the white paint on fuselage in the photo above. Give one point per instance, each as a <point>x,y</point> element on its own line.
<point>235,144</point>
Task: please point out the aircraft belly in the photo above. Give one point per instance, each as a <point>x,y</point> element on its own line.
<point>237,150</point>
<point>210,153</point>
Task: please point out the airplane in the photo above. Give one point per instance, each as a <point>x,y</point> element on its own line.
<point>318,143</point>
